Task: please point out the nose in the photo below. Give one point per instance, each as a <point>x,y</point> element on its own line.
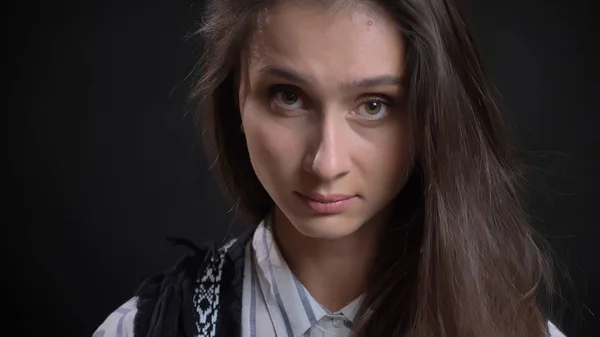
<point>328,156</point>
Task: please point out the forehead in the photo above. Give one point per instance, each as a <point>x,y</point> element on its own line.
<point>345,43</point>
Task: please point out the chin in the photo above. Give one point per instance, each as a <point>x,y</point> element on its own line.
<point>329,227</point>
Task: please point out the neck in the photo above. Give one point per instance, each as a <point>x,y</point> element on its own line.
<point>334,271</point>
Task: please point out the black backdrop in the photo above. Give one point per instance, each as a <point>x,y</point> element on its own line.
<point>104,162</point>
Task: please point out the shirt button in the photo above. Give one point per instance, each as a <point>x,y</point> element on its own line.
<point>337,322</point>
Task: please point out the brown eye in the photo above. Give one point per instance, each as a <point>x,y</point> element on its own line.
<point>372,108</point>
<point>289,98</point>
<point>286,99</point>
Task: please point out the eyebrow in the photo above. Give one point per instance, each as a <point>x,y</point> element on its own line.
<point>292,76</point>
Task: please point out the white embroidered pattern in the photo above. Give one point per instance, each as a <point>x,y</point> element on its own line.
<point>206,294</point>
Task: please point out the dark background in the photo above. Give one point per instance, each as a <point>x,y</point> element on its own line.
<point>104,162</point>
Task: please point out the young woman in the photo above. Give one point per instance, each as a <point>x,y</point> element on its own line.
<point>362,141</point>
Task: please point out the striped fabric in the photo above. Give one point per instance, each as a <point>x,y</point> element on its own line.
<point>275,303</point>
<point>120,322</point>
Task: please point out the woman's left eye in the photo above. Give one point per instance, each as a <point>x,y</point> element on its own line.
<point>373,109</point>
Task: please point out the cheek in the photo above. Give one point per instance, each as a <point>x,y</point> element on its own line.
<point>272,147</point>
<point>387,160</point>
<point>263,148</point>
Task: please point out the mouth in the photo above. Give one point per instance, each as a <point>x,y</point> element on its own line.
<point>327,203</point>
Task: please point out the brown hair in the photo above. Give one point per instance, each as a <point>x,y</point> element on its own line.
<point>470,266</point>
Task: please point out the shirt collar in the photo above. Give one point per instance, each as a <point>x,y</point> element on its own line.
<point>291,307</point>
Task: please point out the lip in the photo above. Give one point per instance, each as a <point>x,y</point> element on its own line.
<point>327,203</point>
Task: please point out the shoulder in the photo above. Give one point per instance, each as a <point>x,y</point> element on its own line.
<point>186,290</point>
<point>134,316</point>
<point>193,280</point>
<point>119,322</point>
<point>554,331</point>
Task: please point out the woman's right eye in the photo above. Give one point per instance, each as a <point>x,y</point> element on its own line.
<point>285,98</point>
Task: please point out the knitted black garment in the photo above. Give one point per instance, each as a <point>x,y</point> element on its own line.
<point>200,297</point>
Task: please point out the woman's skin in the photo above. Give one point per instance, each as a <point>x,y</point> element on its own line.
<point>321,104</point>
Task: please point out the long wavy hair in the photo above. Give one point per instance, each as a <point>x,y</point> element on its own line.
<point>468,264</point>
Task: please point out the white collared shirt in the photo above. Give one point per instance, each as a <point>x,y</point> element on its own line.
<point>275,303</point>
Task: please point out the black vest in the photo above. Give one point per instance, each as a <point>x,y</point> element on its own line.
<point>200,296</point>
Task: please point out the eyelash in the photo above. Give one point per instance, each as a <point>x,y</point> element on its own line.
<point>385,100</point>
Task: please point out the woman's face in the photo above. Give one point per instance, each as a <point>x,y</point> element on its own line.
<point>321,105</point>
